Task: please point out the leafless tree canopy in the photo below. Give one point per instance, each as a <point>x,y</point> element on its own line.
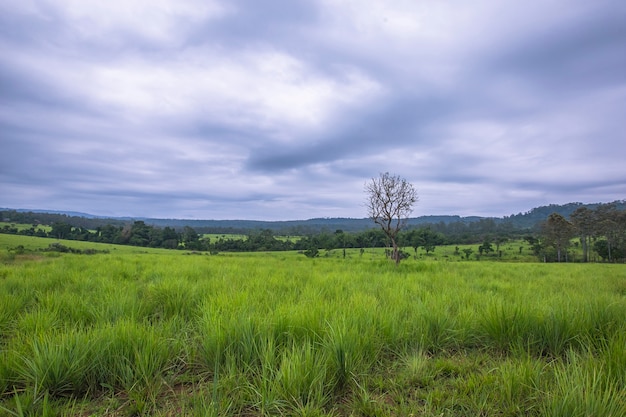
<point>390,200</point>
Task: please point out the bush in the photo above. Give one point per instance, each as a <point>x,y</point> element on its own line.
<point>312,252</point>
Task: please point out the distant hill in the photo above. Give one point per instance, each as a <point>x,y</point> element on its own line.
<point>539,214</point>
<point>65,213</point>
<point>526,220</point>
<point>296,227</point>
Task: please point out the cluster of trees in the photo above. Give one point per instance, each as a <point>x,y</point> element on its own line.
<point>600,231</point>
<point>33,231</point>
<point>136,234</point>
<point>415,238</point>
<point>464,230</point>
<point>76,220</point>
<point>538,215</point>
<point>141,234</point>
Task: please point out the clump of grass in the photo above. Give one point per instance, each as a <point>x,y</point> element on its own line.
<point>365,403</point>
<point>345,354</point>
<point>167,299</point>
<point>581,389</point>
<point>555,333</point>
<point>544,330</point>
<point>416,370</point>
<point>205,401</point>
<point>599,322</point>
<point>290,323</point>
<point>30,403</point>
<point>73,310</point>
<point>302,379</point>
<point>37,322</point>
<point>613,358</point>
<point>263,390</point>
<point>58,364</point>
<point>132,354</point>
<point>138,360</point>
<point>10,308</point>
<point>245,336</point>
<point>9,362</point>
<point>117,303</point>
<point>503,326</point>
<point>211,340</point>
<point>518,387</point>
<point>437,329</point>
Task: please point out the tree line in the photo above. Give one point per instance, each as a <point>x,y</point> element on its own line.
<point>141,234</point>
<point>598,233</point>
<point>137,233</point>
<point>463,229</point>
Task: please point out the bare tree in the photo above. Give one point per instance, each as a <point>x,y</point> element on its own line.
<point>390,200</point>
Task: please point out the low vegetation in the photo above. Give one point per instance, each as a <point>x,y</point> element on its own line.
<point>125,333</point>
<point>597,234</point>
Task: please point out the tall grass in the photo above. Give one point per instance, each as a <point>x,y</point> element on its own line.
<point>284,334</point>
<point>582,389</point>
<point>58,364</point>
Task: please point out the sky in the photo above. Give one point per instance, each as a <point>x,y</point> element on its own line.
<point>284,109</point>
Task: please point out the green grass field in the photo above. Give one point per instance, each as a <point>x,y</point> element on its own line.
<point>154,332</point>
<point>21,226</point>
<point>216,236</point>
<point>32,243</point>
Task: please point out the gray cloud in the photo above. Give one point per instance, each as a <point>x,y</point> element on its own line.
<point>284,109</point>
<point>571,58</point>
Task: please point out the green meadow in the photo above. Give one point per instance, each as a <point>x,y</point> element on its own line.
<point>21,226</point>
<point>217,236</point>
<point>137,332</point>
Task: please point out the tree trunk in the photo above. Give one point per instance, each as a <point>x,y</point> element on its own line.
<point>395,253</point>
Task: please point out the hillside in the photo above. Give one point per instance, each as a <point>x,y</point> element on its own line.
<point>518,221</point>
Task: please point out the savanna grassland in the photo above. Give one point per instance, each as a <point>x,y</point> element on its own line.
<point>166,333</point>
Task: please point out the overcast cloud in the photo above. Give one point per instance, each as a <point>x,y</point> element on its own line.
<point>283,109</point>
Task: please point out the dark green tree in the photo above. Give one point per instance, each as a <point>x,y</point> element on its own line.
<point>312,252</point>
<point>371,239</point>
<point>557,232</point>
<point>139,234</point>
<point>108,233</point>
<point>414,239</point>
<point>191,239</point>
<point>499,240</point>
<point>583,220</point>
<point>61,230</point>
<point>340,239</point>
<point>264,240</point>
<point>486,247</point>
<point>170,238</point>
<point>431,239</point>
<point>607,225</point>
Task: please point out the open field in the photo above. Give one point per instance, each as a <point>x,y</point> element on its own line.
<point>157,332</point>
<point>217,236</point>
<point>21,226</point>
<point>32,243</point>
<point>512,251</point>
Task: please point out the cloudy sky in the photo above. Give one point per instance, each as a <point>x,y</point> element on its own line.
<point>283,109</point>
